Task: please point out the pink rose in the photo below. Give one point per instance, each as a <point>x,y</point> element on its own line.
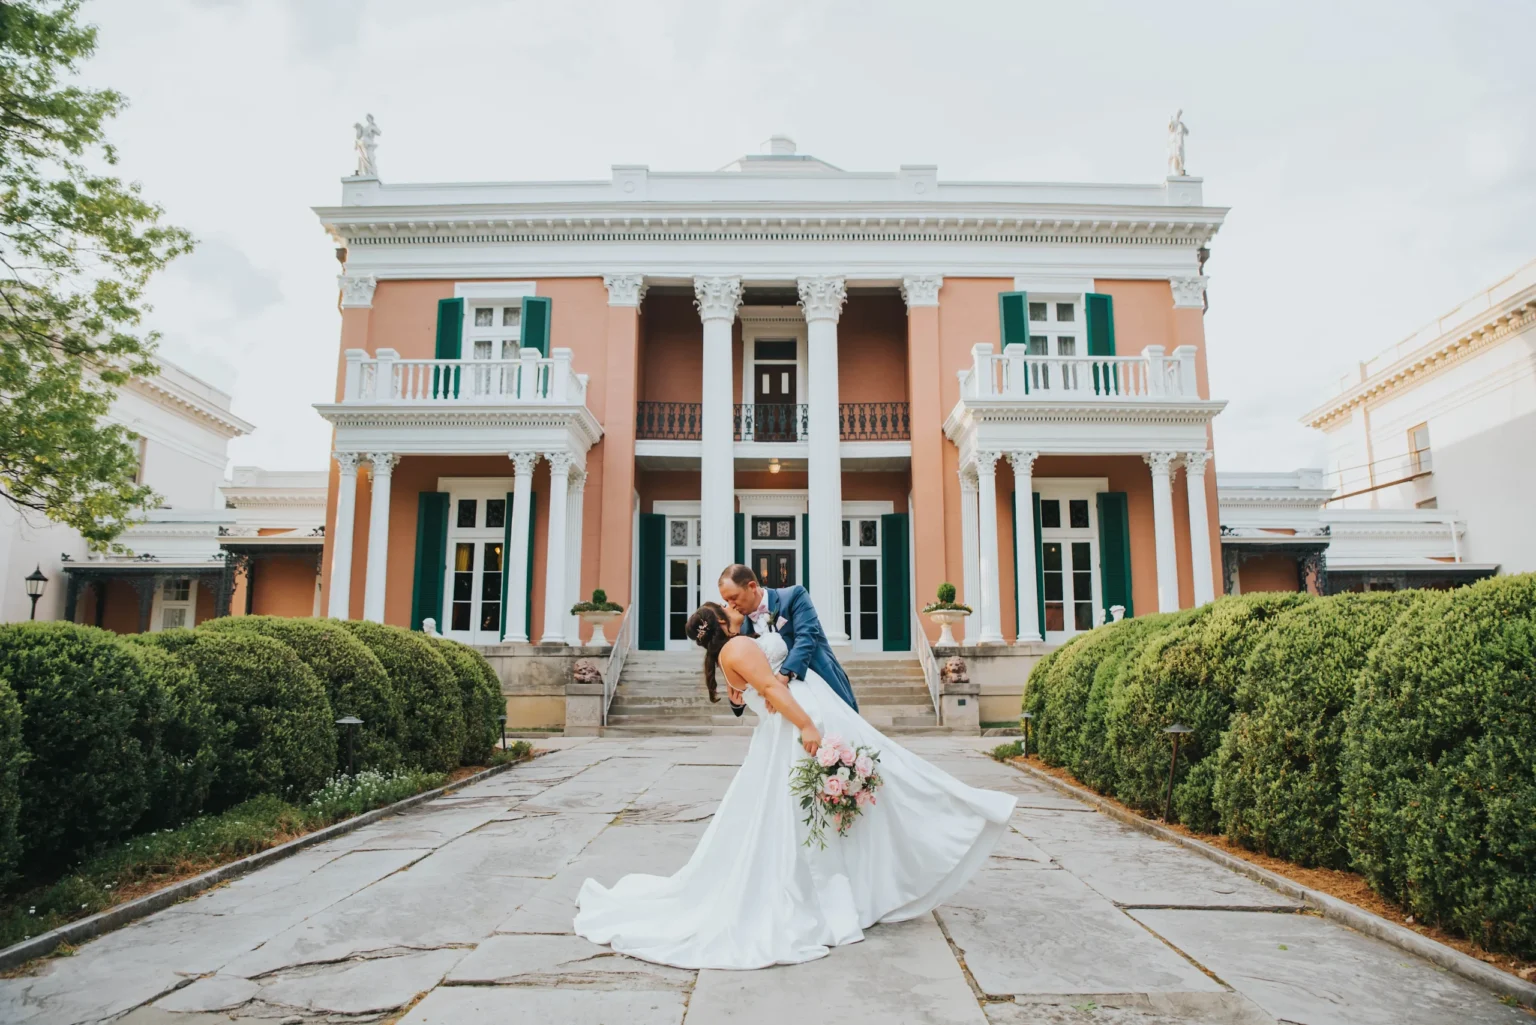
<point>826,757</point>
<point>863,766</point>
<point>833,787</point>
<point>833,741</point>
<point>846,755</point>
<point>864,798</point>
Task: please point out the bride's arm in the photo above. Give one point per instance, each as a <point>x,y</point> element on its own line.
<point>742,656</point>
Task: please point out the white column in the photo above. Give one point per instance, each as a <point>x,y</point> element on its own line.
<point>341,536</point>
<point>970,538</point>
<point>556,568</point>
<point>1024,545</point>
<point>717,299</point>
<point>987,566</point>
<point>822,300</point>
<point>378,535</point>
<point>1199,527</point>
<point>517,559</point>
<point>574,509</point>
<point>1162,525</point>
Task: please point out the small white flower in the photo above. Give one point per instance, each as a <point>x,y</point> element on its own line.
<point>842,774</point>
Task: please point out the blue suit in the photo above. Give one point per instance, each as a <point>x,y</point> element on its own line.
<point>808,647</point>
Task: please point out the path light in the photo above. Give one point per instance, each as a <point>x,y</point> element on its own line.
<point>503,733</point>
<point>1178,730</point>
<point>36,584</point>
<point>351,722</point>
<point>1026,717</point>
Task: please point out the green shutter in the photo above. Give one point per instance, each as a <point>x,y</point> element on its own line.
<point>896,583</point>
<point>741,537</point>
<point>533,518</point>
<point>1039,568</point>
<point>431,558</point>
<point>1115,552</point>
<point>535,329</point>
<point>1101,339</point>
<point>1013,318</point>
<point>805,550</point>
<point>651,592</point>
<point>450,329</point>
<point>506,558</point>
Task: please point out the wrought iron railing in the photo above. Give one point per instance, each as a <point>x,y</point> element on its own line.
<point>668,421</point>
<point>765,422</point>
<point>874,421</point>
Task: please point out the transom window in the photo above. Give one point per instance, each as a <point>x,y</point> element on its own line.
<point>493,330</point>
<point>773,528</point>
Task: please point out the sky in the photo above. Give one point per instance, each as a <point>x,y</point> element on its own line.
<point>1379,158</point>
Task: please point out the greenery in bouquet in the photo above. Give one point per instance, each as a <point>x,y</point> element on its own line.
<point>835,785</point>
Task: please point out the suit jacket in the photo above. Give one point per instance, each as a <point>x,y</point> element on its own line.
<point>808,647</point>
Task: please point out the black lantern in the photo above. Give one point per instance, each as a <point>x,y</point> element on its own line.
<point>36,584</point>
<point>1177,730</point>
<point>1024,719</point>
<point>351,722</point>
<point>503,733</point>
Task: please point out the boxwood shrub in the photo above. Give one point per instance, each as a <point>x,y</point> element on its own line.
<point>1440,763</point>
<point>13,760</point>
<point>480,694</point>
<point>89,716</point>
<point>181,768</point>
<point>354,679</point>
<point>280,734</point>
<point>1184,673</point>
<point>1278,772</point>
<point>434,711</point>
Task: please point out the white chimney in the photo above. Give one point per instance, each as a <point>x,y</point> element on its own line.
<point>780,146</point>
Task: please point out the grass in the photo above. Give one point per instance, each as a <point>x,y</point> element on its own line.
<point>148,862</point>
<point>1003,752</point>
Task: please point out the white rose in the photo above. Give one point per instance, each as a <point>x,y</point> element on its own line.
<point>842,774</point>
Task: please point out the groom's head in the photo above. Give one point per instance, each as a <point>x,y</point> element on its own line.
<point>739,587</point>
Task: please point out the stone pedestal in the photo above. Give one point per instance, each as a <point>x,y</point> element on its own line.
<point>960,706</point>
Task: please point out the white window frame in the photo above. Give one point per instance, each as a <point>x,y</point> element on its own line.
<point>479,489</point>
<point>162,604</point>
<point>1065,490</point>
<point>497,295</point>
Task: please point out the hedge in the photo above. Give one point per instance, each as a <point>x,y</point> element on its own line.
<point>354,679</point>
<point>13,761</point>
<point>434,711</point>
<point>181,770</point>
<point>480,694</point>
<point>90,714</point>
<point>1278,772</point>
<point>1440,763</point>
<point>280,737</point>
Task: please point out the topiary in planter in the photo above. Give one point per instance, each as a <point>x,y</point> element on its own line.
<point>599,603</point>
<point>89,713</point>
<point>480,693</point>
<point>429,691</point>
<point>280,737</point>
<point>13,760</point>
<point>1278,772</point>
<point>1440,763</point>
<point>1185,673</point>
<point>354,679</point>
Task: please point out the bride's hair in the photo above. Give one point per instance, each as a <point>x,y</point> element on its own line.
<point>707,628</point>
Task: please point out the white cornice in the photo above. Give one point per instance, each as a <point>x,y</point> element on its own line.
<point>577,419</point>
<point>184,403</point>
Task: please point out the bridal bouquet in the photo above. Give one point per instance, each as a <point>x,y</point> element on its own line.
<point>835,786</point>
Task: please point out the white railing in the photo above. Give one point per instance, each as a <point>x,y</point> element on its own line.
<point>531,378</point>
<point>1152,376</point>
<point>930,665</point>
<point>615,664</point>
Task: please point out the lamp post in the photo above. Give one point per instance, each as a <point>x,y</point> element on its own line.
<point>36,584</point>
<point>1178,730</point>
<point>1025,718</point>
<point>351,722</point>
<point>503,733</point>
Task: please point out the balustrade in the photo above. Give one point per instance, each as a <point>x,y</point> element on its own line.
<point>532,378</point>
<point>1151,376</point>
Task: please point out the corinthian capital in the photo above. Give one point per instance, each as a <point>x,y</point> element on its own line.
<point>1188,293</point>
<point>1160,462</point>
<point>1194,462</point>
<point>717,298</point>
<point>625,289</point>
<point>348,461</point>
<point>822,298</point>
<point>921,289</point>
<point>356,291</point>
<point>523,463</point>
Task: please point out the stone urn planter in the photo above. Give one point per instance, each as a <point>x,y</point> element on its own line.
<point>599,619</point>
<point>947,618</point>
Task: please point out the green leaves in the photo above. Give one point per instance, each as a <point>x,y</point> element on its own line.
<point>77,246</point>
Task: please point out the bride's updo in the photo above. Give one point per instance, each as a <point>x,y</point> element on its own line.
<point>707,628</point>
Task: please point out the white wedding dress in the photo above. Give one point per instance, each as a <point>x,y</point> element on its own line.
<point>754,895</point>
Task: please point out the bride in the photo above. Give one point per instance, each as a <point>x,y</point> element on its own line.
<point>753,894</point>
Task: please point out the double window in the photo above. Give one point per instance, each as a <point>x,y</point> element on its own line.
<point>494,330</point>
<point>476,564</point>
<point>1055,330</point>
<point>178,597</point>
<point>1068,563</point>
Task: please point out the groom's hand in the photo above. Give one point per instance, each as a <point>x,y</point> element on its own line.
<point>785,678</point>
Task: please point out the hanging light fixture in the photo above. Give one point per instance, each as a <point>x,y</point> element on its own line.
<point>773,466</point>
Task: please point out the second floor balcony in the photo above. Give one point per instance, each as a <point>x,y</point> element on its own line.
<point>773,422</point>
<point>1017,375</point>
<point>386,379</point>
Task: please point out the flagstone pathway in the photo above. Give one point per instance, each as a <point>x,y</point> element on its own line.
<point>459,912</point>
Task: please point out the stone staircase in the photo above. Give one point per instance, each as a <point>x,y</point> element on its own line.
<point>662,693</point>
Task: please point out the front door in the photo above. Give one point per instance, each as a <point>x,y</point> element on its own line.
<point>475,565</point>
<point>683,579</point>
<point>775,567</point>
<point>861,582</point>
<point>773,397</point>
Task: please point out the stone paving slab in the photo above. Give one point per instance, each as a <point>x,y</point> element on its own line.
<point>1302,968</point>
<point>899,973</point>
<point>1131,1009</point>
<point>563,961</point>
<point>515,1005</point>
<point>369,986</point>
<point>1145,872</point>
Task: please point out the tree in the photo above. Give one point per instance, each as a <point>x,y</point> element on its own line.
<point>77,246</point>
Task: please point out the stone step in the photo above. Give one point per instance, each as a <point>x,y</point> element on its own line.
<point>617,730</point>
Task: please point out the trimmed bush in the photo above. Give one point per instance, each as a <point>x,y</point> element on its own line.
<point>1184,673</point>
<point>181,770</point>
<point>480,694</point>
<point>1278,769</point>
<point>429,691</point>
<point>89,715</point>
<point>354,679</point>
<point>280,734</point>
<point>1440,763</point>
<point>13,761</point>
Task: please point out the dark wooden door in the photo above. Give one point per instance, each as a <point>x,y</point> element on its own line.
<point>773,395</point>
<point>775,568</point>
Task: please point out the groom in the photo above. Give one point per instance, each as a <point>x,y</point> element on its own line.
<point>785,610</point>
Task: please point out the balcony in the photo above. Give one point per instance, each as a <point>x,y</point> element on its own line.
<point>770,423</point>
<point>1014,376</point>
<point>531,379</point>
